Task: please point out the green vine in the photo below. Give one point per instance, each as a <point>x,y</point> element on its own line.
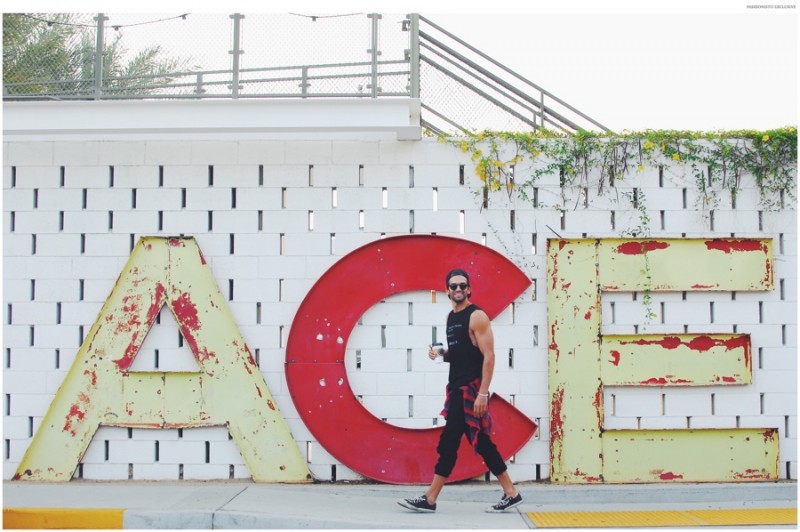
<point>515,163</point>
<point>638,200</point>
<point>593,160</point>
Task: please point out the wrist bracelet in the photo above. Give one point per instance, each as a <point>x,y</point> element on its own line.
<point>483,394</point>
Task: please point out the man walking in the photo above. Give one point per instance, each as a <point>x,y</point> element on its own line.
<point>470,353</point>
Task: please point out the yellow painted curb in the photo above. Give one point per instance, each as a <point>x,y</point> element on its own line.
<point>755,516</point>
<point>44,518</point>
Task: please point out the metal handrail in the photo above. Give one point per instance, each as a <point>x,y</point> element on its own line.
<point>508,93</point>
<point>564,120</point>
<point>481,93</point>
<point>514,74</point>
<point>436,113</point>
<point>110,89</point>
<point>476,77</point>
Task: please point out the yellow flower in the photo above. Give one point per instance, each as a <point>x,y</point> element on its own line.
<point>648,145</point>
<point>464,146</point>
<point>765,138</point>
<point>641,168</point>
<point>676,156</point>
<point>510,185</point>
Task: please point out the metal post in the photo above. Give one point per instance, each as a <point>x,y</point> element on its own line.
<point>304,81</point>
<point>199,90</point>
<point>236,52</point>
<point>375,53</point>
<point>414,59</point>
<point>98,56</point>
<point>541,109</point>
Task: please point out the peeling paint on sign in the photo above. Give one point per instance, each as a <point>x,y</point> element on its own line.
<point>581,450</point>
<point>680,359</point>
<point>315,352</point>
<point>100,390</point>
<point>690,455</point>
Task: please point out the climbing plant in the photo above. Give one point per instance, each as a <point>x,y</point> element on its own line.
<point>514,163</point>
<point>596,161</point>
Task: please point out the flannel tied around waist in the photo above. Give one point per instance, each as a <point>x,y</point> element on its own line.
<point>475,424</point>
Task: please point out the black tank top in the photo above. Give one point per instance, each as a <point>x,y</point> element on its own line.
<point>466,360</point>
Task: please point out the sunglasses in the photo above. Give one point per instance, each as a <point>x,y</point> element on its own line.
<point>462,286</point>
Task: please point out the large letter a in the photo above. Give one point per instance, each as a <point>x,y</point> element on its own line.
<point>228,389</point>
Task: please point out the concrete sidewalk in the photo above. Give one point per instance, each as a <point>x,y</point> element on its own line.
<point>244,504</point>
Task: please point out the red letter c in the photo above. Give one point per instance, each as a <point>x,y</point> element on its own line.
<point>315,353</point>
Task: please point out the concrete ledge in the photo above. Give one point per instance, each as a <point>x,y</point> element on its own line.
<point>252,520</point>
<point>169,519</point>
<point>103,119</point>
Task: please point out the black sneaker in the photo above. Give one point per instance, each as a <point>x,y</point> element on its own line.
<point>418,504</point>
<point>505,503</point>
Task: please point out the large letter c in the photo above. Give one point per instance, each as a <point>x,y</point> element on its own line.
<point>315,354</point>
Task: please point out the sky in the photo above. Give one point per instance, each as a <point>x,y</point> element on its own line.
<point>637,71</point>
<point>701,65</point>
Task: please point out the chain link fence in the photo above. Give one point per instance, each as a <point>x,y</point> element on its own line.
<point>453,106</point>
<point>291,55</point>
<point>211,55</point>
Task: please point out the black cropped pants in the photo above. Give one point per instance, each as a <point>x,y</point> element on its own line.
<point>454,431</point>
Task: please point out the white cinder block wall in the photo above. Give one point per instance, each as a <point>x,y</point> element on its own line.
<point>272,215</point>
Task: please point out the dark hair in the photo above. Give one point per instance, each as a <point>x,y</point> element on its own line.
<point>453,273</point>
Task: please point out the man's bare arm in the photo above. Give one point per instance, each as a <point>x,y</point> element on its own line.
<point>481,330</point>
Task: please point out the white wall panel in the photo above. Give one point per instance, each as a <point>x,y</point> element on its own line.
<point>187,186</point>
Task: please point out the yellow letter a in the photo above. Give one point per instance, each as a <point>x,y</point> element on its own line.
<point>228,389</point>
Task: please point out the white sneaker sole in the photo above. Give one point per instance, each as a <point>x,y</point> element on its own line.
<point>493,510</point>
<point>408,506</point>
